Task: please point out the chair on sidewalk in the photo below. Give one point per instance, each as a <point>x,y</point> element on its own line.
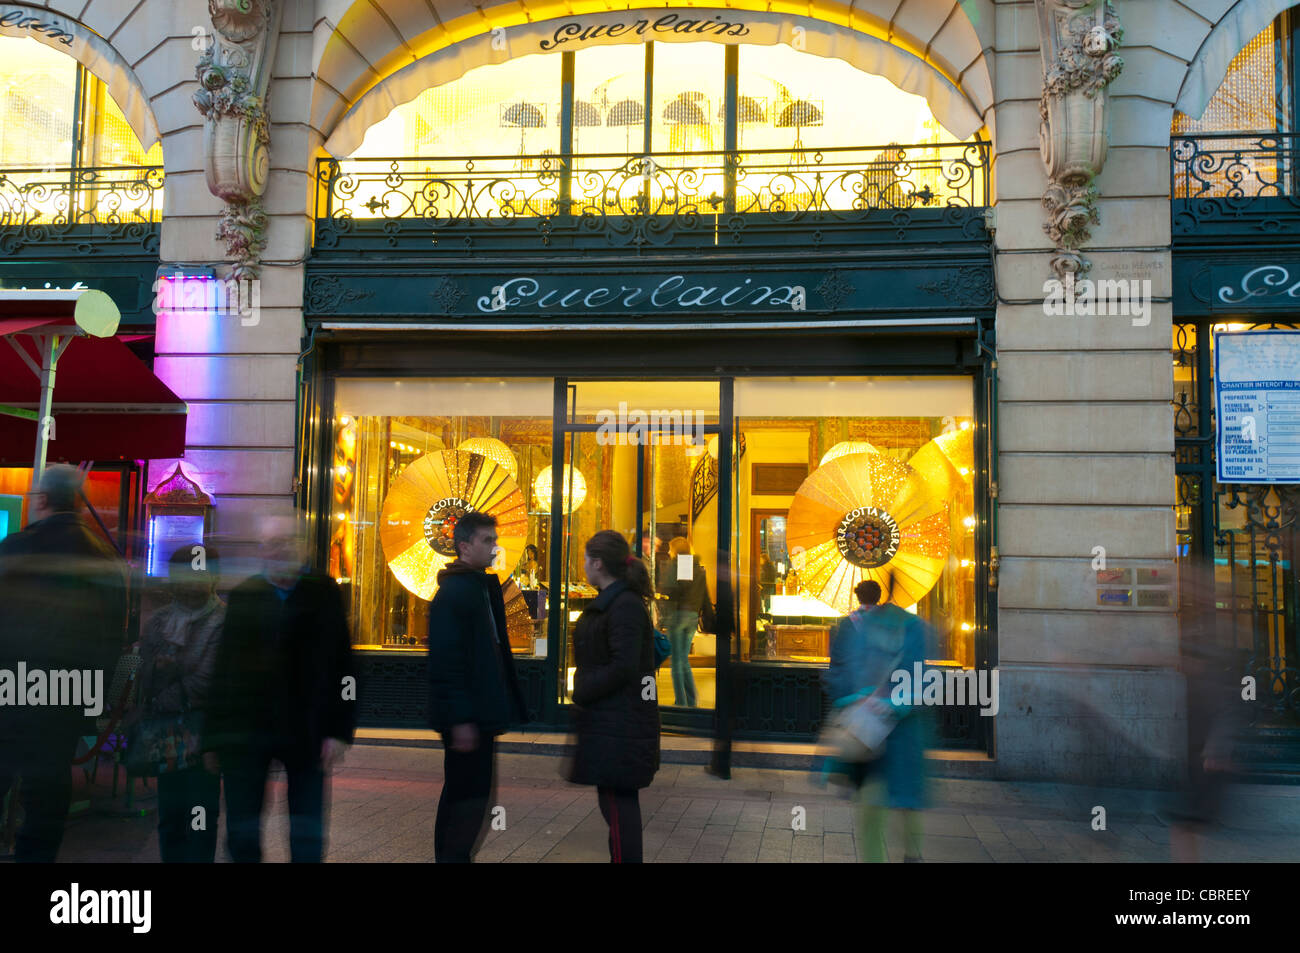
<point>122,690</point>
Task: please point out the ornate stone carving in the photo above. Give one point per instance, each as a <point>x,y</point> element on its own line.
<point>1077,39</point>
<point>234,76</point>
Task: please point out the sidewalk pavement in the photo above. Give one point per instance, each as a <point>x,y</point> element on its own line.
<point>384,799</point>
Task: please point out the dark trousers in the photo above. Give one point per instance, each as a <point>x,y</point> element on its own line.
<point>245,778</point>
<point>179,793</point>
<point>622,811</point>
<point>463,807</point>
<point>46,772</point>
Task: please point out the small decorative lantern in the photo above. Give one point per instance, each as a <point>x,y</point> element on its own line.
<point>179,514</point>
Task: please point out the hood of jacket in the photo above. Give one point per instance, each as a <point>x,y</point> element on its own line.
<point>458,568</point>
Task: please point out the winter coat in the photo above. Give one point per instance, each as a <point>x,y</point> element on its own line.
<point>684,595</point>
<point>62,607</point>
<point>866,648</point>
<point>616,724</point>
<point>471,670</point>
<point>191,638</point>
<point>278,682</point>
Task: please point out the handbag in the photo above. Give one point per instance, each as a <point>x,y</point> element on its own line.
<point>857,732</point>
<point>158,744</point>
<point>708,618</point>
<point>663,648</point>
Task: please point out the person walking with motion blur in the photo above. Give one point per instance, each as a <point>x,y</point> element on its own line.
<point>616,711</point>
<point>179,652</point>
<point>63,608</point>
<point>867,646</point>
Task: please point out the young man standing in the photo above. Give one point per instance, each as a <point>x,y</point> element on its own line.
<point>474,695</point>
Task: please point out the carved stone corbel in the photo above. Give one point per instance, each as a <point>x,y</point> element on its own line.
<point>234,75</point>
<point>1077,39</point>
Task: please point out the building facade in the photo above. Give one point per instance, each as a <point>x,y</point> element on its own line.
<point>790,297</point>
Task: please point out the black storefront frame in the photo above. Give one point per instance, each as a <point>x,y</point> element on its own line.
<point>647,356</point>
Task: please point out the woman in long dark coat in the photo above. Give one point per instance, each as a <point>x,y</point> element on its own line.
<point>616,712</point>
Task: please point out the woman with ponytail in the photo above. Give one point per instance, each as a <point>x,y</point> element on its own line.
<point>616,711</point>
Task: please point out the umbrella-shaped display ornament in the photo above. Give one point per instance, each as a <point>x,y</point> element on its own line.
<point>865,516</point>
<point>425,502</point>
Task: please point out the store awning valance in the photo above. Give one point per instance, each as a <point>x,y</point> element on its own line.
<point>108,405</point>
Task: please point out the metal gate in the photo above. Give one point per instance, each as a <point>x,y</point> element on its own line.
<point>1247,533</point>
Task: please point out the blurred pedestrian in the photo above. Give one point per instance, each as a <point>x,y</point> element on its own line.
<point>63,608</point>
<point>284,689</point>
<point>867,646</point>
<point>179,652</point>
<point>686,591</point>
<point>474,695</point>
<point>1215,714</point>
<point>616,712</point>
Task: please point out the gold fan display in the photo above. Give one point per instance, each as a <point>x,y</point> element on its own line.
<point>519,623</point>
<point>946,462</point>
<point>866,516</point>
<point>426,500</point>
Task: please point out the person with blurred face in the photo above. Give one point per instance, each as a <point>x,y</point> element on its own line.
<point>284,689</point>
<point>62,608</point>
<point>179,652</point>
<point>473,692</point>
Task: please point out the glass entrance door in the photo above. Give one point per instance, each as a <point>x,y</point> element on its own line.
<point>640,458</point>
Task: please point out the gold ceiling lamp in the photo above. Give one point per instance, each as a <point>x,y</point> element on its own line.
<point>494,450</point>
<point>844,448</point>
<point>542,487</point>
<point>420,513</point>
<point>947,462</point>
<point>866,516</point>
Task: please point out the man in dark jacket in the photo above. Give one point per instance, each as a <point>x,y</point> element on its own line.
<point>62,609</point>
<point>284,689</point>
<point>474,695</point>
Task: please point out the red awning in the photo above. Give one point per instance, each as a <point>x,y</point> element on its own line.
<point>108,405</point>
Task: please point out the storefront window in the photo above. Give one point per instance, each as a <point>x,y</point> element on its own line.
<point>838,480</point>
<point>638,462</point>
<point>409,457</point>
<point>490,143</point>
<point>56,116</point>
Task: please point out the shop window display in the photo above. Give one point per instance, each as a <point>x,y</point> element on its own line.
<point>840,480</point>
<point>410,457</point>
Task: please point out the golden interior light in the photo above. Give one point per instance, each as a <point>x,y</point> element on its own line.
<point>542,488</point>
<point>844,448</point>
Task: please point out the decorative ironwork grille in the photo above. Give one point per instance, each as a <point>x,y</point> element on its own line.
<point>1248,533</point>
<point>84,205</point>
<point>645,200</point>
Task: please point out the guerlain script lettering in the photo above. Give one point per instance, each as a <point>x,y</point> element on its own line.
<point>668,23</point>
<point>669,294</point>
<point>21,20</point>
<point>1266,281</point>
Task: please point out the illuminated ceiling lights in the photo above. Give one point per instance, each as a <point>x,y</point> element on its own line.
<point>542,488</point>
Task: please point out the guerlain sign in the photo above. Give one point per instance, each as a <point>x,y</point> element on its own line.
<point>1263,286</point>
<point>23,21</point>
<point>671,293</point>
<point>580,31</point>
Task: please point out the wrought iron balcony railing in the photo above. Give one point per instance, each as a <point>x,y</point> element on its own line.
<point>642,200</point>
<point>71,205</point>
<point>1235,182</point>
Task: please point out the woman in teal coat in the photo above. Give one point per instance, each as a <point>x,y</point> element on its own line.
<point>866,648</point>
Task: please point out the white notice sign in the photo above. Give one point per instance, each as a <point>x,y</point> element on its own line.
<point>1257,404</point>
